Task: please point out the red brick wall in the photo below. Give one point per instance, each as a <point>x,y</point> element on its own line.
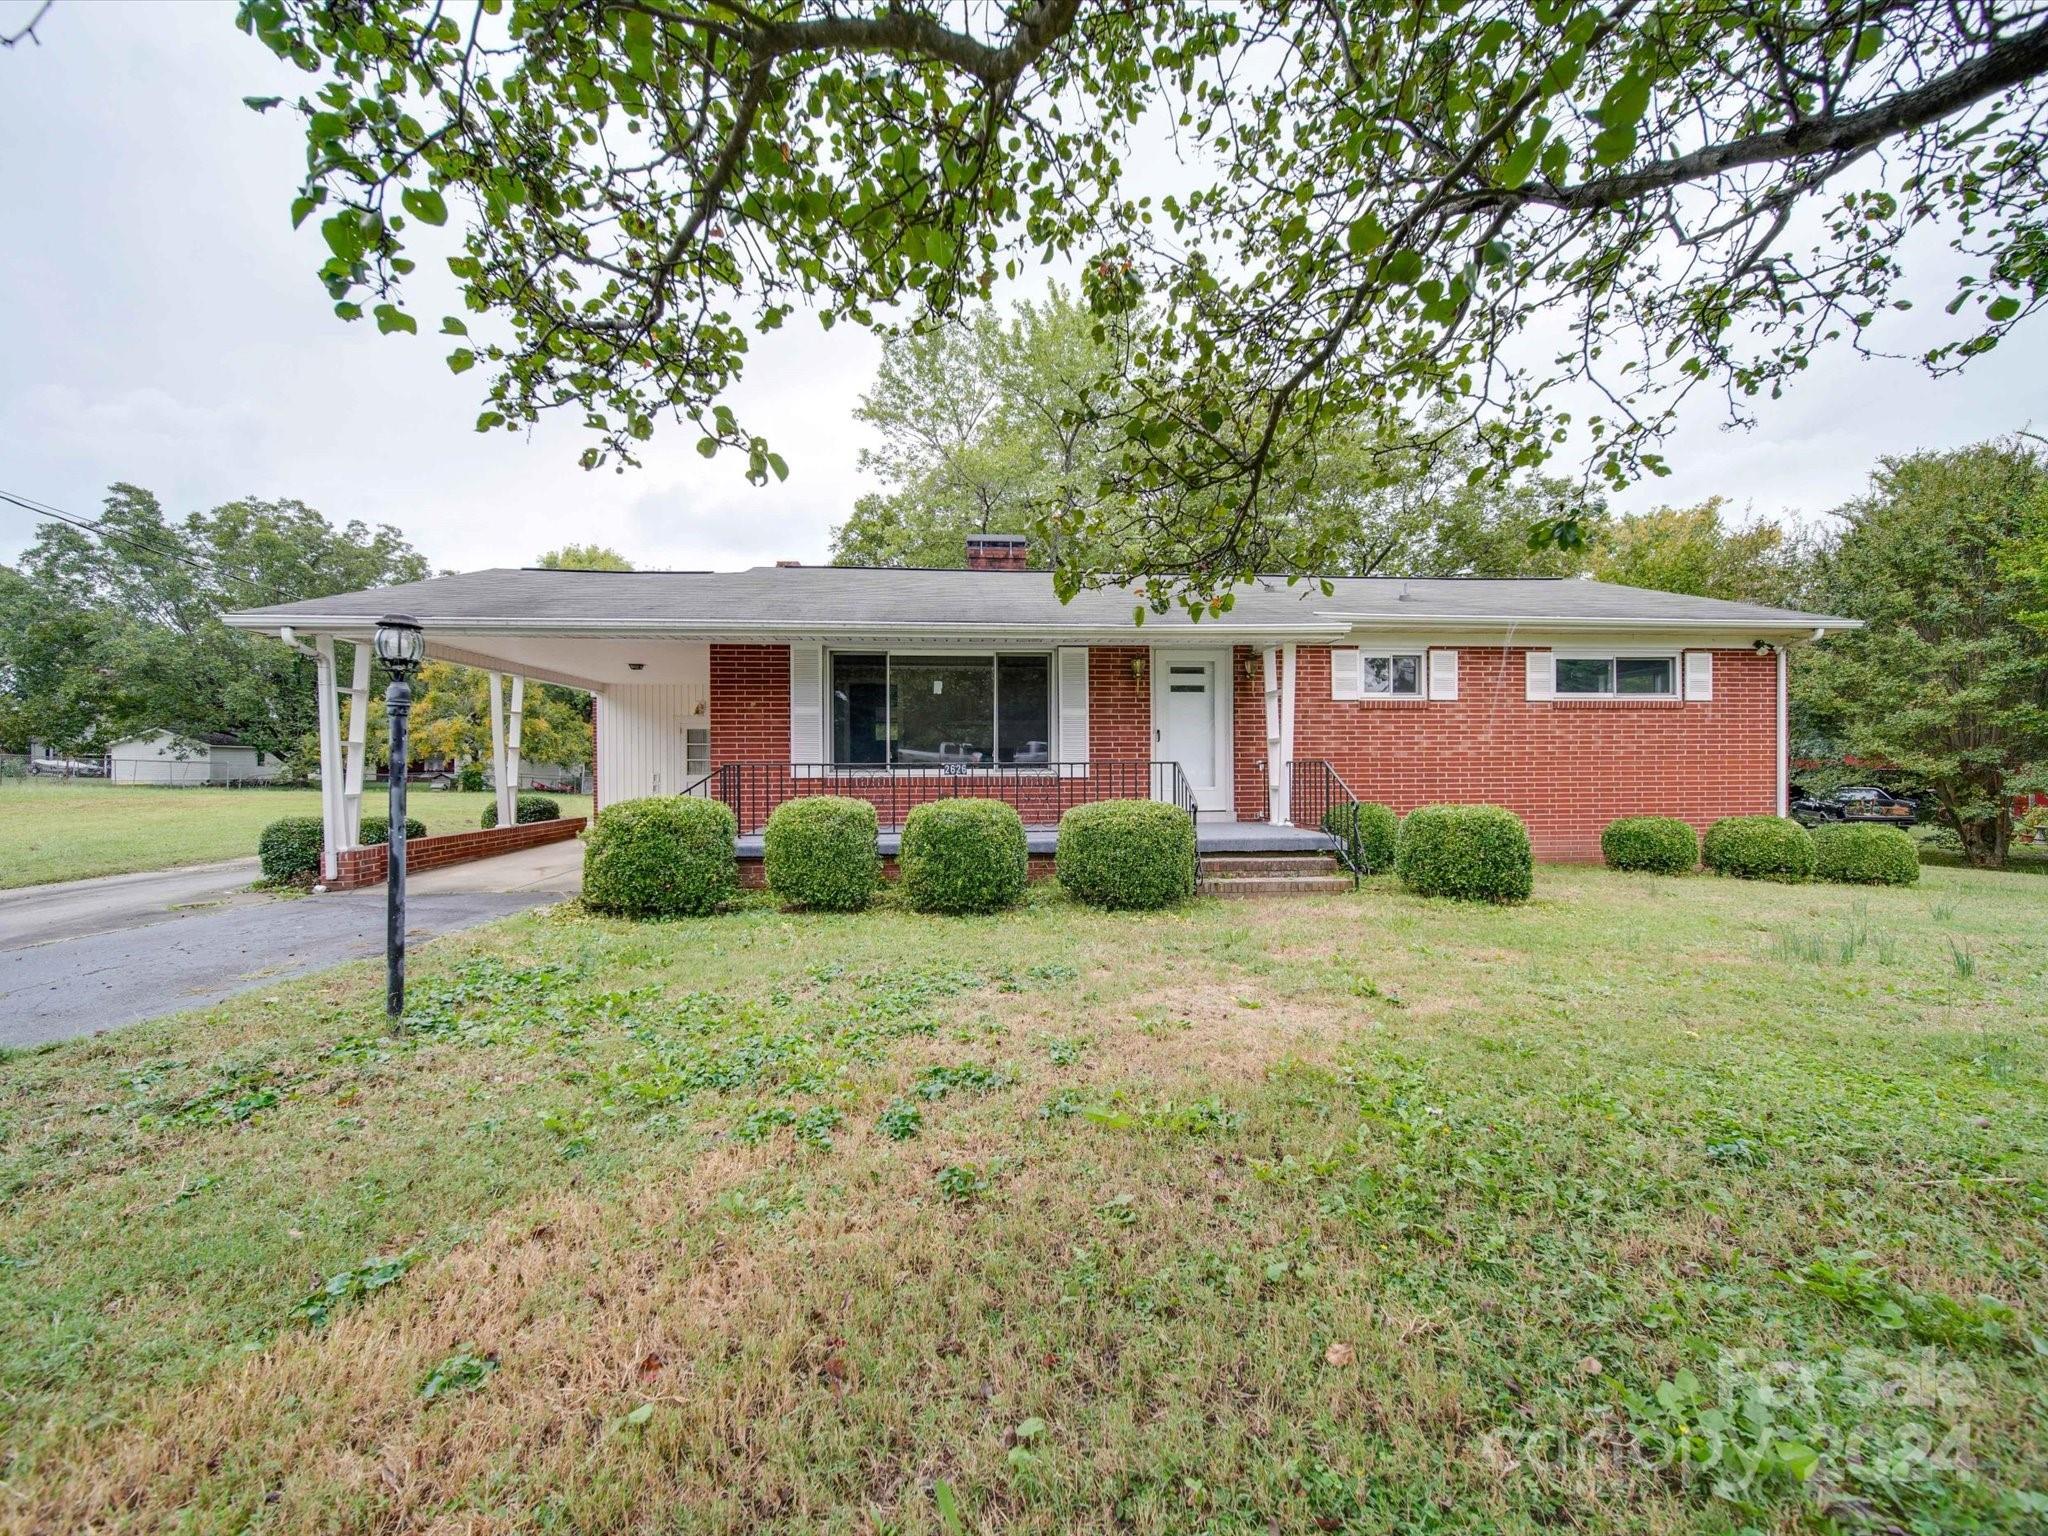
<point>368,866</point>
<point>1566,766</point>
<point>1248,732</point>
<point>749,704</point>
<point>1119,703</point>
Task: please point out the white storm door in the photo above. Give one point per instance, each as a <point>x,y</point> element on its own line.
<point>1190,699</point>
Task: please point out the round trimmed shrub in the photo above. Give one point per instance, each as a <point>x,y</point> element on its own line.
<point>1370,829</point>
<point>1660,845</point>
<point>962,856</point>
<point>377,829</point>
<point>289,848</point>
<point>1857,853</point>
<point>1759,848</point>
<point>469,778</point>
<point>526,808</point>
<point>1131,855</point>
<point>820,853</point>
<point>666,857</point>
<point>1470,852</point>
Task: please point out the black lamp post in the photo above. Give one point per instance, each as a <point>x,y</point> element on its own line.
<point>400,647</point>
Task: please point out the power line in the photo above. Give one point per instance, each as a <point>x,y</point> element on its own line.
<point>101,531</point>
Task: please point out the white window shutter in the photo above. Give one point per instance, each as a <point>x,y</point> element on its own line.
<point>1699,675</point>
<point>1443,674</point>
<point>1541,675</point>
<point>806,704</point>
<point>1073,681</point>
<point>1344,682</point>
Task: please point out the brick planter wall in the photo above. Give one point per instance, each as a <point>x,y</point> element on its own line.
<point>368,866</point>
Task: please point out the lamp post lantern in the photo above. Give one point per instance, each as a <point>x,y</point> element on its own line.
<point>400,647</point>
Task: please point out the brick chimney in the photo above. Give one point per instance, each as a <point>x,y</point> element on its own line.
<point>998,552</point>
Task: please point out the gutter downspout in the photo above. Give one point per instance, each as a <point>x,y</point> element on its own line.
<point>1784,738</point>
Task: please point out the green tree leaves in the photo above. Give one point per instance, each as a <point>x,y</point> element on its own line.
<point>1382,206</point>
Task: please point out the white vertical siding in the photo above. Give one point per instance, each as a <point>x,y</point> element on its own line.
<point>640,737</point>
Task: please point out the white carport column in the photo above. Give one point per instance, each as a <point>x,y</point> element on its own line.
<point>515,730</point>
<point>333,829</point>
<point>1276,736</point>
<point>498,747</point>
<point>358,737</point>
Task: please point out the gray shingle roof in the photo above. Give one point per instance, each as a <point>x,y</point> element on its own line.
<point>776,599</point>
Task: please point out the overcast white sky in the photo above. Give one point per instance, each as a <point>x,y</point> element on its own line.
<point>160,324</point>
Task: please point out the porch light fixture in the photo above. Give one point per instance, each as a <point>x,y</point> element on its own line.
<point>1137,669</point>
<point>400,647</point>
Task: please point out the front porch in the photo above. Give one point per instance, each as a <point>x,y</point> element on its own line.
<point>1211,839</point>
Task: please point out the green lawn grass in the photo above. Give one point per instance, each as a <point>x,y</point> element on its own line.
<point>1359,1213</point>
<point>58,831</point>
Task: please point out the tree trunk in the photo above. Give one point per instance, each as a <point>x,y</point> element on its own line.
<point>1985,842</point>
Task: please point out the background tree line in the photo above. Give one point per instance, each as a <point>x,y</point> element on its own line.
<point>114,630</point>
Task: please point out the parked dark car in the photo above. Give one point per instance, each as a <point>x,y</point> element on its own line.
<point>1857,802</point>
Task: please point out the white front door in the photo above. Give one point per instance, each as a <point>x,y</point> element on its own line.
<point>1191,721</point>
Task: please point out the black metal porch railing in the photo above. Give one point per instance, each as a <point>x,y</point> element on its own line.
<point>1318,797</point>
<point>1039,792</point>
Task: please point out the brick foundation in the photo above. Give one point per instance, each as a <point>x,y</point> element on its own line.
<point>368,866</point>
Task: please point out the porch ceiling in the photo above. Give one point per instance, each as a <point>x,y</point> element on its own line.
<point>593,662</point>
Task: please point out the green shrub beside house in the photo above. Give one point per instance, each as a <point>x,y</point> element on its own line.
<point>289,849</point>
<point>1657,845</point>
<point>962,856</point>
<point>1864,854</point>
<point>820,853</point>
<point>1468,852</point>
<point>374,830</point>
<point>1370,833</point>
<point>1759,848</point>
<point>663,857</point>
<point>527,809</point>
<point>1131,855</point>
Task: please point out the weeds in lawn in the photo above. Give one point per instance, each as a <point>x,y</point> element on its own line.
<point>962,1182</point>
<point>317,1309</point>
<point>901,1121</point>
<point>1859,1284</point>
<point>1964,961</point>
<point>463,1371</point>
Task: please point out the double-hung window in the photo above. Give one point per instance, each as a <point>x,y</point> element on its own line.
<point>1394,673</point>
<point>1617,676</point>
<point>945,711</point>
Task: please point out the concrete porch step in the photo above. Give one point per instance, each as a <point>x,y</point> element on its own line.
<point>1234,865</point>
<point>1276,885</point>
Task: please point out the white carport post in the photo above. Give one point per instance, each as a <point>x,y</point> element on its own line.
<point>1279,669</point>
<point>358,737</point>
<point>507,728</point>
<point>334,834</point>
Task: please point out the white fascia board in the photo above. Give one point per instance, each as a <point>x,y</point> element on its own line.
<point>1479,629</point>
<point>1207,636</point>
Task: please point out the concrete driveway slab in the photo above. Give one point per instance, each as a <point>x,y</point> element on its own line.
<point>78,959</point>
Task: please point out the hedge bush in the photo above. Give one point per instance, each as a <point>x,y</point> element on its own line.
<point>664,857</point>
<point>962,856</point>
<point>1132,855</point>
<point>1857,853</point>
<point>289,848</point>
<point>527,808</point>
<point>820,853</point>
<point>1662,845</point>
<point>1371,830</point>
<point>1471,852</point>
<point>1759,848</point>
<point>377,829</point>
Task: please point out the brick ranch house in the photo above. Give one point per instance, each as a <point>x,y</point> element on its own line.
<point>1569,701</point>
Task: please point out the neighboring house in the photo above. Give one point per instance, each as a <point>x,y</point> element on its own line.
<point>165,758</point>
<point>1569,701</point>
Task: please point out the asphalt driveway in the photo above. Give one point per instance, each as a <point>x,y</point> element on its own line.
<point>95,954</point>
